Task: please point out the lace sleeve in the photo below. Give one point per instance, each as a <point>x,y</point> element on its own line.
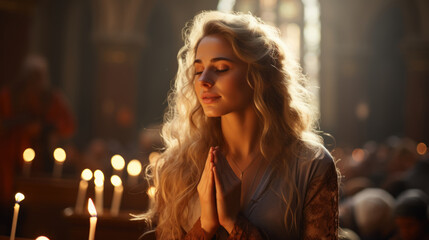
<point>321,205</point>
<point>244,230</point>
<point>196,232</point>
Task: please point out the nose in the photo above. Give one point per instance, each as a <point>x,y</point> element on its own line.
<point>206,79</point>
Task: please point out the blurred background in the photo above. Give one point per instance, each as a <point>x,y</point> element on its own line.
<point>92,77</point>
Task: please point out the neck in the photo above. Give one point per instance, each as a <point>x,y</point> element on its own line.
<point>241,134</point>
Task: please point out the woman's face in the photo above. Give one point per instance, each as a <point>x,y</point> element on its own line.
<point>220,78</point>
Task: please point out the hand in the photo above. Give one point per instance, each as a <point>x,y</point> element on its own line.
<point>206,193</point>
<point>228,194</point>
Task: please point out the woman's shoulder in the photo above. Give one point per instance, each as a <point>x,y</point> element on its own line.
<point>316,160</point>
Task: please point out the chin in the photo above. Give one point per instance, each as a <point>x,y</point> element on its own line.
<point>211,113</point>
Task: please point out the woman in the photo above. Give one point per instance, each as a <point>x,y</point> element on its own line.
<point>242,160</point>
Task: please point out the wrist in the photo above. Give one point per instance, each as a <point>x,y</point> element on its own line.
<point>229,225</point>
<point>209,229</point>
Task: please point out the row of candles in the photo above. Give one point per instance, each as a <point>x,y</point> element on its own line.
<point>91,209</point>
<point>134,166</point>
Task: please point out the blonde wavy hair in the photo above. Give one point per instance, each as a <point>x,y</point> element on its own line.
<point>281,98</point>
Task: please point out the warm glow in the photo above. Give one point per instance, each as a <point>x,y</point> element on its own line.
<point>60,155</point>
<point>99,182</point>
<point>151,192</point>
<point>91,208</point>
<point>153,157</point>
<point>28,155</point>
<point>116,180</point>
<point>86,174</point>
<point>118,162</point>
<point>42,238</point>
<point>98,174</point>
<point>421,148</point>
<point>134,167</point>
<point>19,197</point>
<point>358,155</point>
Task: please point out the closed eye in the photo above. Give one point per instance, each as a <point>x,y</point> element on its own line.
<point>222,70</point>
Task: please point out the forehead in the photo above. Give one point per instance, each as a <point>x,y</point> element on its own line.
<point>213,46</point>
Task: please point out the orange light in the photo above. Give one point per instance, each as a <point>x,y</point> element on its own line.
<point>28,155</point>
<point>421,148</point>
<point>358,155</point>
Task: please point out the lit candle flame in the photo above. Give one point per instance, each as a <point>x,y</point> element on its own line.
<point>151,192</point>
<point>116,180</point>
<point>28,155</point>
<point>19,197</point>
<point>134,167</point>
<point>98,174</point>
<point>99,182</point>
<point>118,162</point>
<point>91,208</point>
<point>60,155</point>
<point>86,174</point>
<point>42,238</point>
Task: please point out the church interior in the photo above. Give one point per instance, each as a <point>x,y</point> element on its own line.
<point>103,72</point>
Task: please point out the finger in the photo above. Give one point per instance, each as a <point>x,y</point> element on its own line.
<point>218,184</point>
<point>215,155</point>
<point>209,159</point>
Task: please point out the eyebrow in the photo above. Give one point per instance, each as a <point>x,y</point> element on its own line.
<point>215,60</point>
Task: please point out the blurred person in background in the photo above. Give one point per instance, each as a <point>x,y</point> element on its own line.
<point>32,114</point>
<point>411,216</point>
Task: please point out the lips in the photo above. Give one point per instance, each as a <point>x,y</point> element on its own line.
<point>208,98</point>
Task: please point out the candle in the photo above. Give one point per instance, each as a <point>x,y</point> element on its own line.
<point>18,198</point>
<point>134,168</point>
<point>60,157</point>
<point>117,194</point>
<point>151,193</point>
<point>28,157</point>
<point>118,164</point>
<point>83,186</point>
<point>42,238</point>
<point>99,188</point>
<point>92,220</point>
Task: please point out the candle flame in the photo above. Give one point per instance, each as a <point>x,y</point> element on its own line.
<point>28,155</point>
<point>118,162</point>
<point>19,197</point>
<point>134,167</point>
<point>98,174</point>
<point>116,180</point>
<point>91,208</point>
<point>86,174</point>
<point>42,238</point>
<point>60,155</point>
<point>99,182</point>
<point>151,192</point>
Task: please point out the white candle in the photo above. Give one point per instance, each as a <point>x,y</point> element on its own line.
<point>117,195</point>
<point>83,186</point>
<point>134,169</point>
<point>92,220</point>
<point>60,157</point>
<point>99,189</point>
<point>118,164</point>
<point>28,156</point>
<point>18,198</point>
